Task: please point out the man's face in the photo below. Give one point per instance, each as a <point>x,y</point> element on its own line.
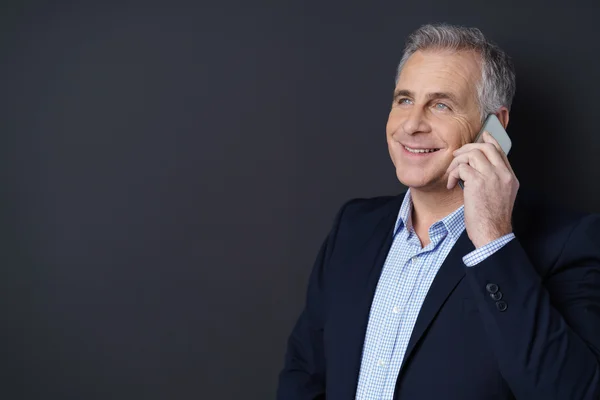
<point>435,109</point>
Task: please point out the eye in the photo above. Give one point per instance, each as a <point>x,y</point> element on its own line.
<point>404,100</point>
<point>441,107</point>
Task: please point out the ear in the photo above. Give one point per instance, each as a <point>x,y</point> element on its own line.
<point>502,115</point>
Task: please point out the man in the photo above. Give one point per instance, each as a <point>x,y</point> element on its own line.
<point>445,293</point>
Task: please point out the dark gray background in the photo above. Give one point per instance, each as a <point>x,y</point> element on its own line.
<point>169,171</point>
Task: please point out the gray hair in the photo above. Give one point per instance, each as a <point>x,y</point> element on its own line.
<point>497,85</point>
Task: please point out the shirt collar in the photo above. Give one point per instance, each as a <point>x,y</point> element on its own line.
<point>453,222</point>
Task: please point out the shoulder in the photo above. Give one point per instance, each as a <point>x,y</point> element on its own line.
<point>369,209</point>
<point>537,212</point>
<point>548,229</point>
<point>360,217</point>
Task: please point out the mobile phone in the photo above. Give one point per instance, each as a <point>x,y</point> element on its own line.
<point>493,125</point>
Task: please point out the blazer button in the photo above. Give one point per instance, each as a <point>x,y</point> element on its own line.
<point>496,296</point>
<point>491,287</point>
<point>501,305</point>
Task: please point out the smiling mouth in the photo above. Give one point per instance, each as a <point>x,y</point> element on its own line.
<point>419,151</point>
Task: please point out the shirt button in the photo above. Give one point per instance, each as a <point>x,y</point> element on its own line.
<point>396,310</point>
<point>381,363</point>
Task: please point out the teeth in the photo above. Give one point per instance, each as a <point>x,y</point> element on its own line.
<point>420,150</point>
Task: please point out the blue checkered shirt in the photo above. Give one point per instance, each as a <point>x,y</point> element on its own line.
<point>407,274</point>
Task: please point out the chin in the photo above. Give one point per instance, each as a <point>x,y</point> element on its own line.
<point>417,180</point>
<point>413,180</point>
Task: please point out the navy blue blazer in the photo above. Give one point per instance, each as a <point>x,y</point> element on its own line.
<point>524,323</point>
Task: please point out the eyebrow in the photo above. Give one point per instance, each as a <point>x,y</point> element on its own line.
<point>430,96</point>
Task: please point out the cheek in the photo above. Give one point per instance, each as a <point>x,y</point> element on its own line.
<point>466,126</point>
<point>458,132</point>
<point>393,122</point>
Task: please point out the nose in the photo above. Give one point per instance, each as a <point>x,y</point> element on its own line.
<point>415,122</point>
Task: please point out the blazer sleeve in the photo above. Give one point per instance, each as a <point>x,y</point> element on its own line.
<point>545,332</point>
<point>303,373</point>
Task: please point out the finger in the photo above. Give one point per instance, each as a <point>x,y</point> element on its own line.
<point>489,149</point>
<point>475,159</point>
<point>464,172</point>
<point>488,138</point>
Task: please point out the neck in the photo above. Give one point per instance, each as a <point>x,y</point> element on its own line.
<point>431,206</point>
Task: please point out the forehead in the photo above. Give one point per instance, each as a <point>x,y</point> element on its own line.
<point>441,71</point>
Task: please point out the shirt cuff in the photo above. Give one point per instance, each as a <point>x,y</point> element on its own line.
<point>480,254</point>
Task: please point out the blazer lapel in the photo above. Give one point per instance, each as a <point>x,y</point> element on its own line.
<point>363,271</point>
<point>448,277</point>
